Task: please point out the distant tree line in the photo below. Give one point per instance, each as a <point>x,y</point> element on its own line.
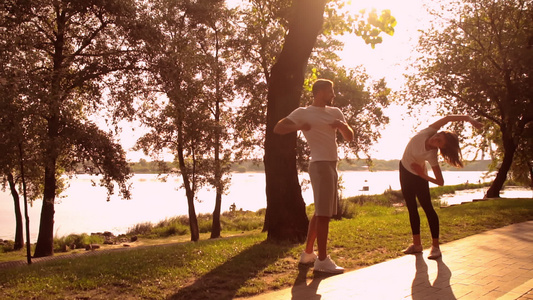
<point>152,167</point>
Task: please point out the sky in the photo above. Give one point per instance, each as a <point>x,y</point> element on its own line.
<point>387,60</point>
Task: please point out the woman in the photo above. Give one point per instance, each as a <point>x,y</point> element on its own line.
<point>414,179</point>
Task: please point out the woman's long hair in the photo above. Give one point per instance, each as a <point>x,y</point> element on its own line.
<point>451,150</point>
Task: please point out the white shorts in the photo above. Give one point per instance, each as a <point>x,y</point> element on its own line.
<point>324,180</point>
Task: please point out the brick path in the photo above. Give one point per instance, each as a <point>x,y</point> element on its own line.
<point>497,264</point>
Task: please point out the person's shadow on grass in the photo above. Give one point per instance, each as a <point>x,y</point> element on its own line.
<point>224,281</point>
<point>422,288</point>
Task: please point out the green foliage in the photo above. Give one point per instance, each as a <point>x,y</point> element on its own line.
<point>7,246</point>
<point>230,222</point>
<point>370,26</point>
<point>76,241</point>
<point>477,59</point>
<point>140,229</point>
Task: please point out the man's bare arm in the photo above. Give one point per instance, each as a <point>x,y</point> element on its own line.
<point>285,126</point>
<point>345,129</point>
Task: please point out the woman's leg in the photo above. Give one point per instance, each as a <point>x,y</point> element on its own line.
<point>408,184</point>
<point>433,219</point>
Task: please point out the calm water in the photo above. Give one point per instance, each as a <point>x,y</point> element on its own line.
<point>84,209</point>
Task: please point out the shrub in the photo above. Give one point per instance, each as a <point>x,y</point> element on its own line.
<point>75,241</point>
<point>7,246</point>
<point>140,229</point>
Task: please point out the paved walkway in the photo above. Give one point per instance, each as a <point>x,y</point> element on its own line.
<point>497,264</point>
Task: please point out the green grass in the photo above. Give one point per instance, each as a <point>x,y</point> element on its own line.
<point>244,265</point>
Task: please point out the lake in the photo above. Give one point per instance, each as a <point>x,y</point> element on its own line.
<point>83,207</point>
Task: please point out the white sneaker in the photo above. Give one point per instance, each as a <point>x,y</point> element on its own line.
<point>327,266</point>
<point>307,258</point>
<point>413,249</point>
<point>434,253</point>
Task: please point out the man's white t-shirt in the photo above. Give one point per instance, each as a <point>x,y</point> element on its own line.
<point>321,137</point>
<point>415,151</point>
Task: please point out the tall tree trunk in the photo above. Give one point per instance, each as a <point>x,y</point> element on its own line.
<point>509,147</point>
<point>19,232</point>
<point>215,227</point>
<point>189,191</point>
<point>530,165</point>
<point>286,219</point>
<point>25,195</point>
<point>45,239</point>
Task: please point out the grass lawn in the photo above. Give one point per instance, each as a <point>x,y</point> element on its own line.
<point>243,265</point>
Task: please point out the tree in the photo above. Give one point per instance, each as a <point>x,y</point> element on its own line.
<point>72,53</point>
<point>215,33</point>
<point>185,116</point>
<point>9,139</point>
<point>18,127</point>
<point>285,217</point>
<point>480,62</point>
<point>265,23</point>
<point>261,42</point>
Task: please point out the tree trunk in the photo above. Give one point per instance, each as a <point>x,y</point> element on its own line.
<point>215,227</point>
<point>45,239</point>
<point>509,150</point>
<point>286,219</point>
<point>19,232</point>
<point>530,165</point>
<point>25,195</point>
<point>193,220</point>
<point>189,191</point>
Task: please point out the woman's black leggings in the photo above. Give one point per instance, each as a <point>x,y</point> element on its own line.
<point>414,186</point>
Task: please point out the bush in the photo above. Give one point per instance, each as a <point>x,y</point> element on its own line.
<point>170,230</point>
<point>140,229</point>
<point>75,241</point>
<point>7,246</point>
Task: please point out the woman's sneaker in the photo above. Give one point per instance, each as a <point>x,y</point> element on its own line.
<point>413,249</point>
<point>327,266</point>
<point>434,253</point>
<point>307,258</point>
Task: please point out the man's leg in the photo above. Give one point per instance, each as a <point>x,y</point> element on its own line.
<point>311,235</point>
<point>322,228</point>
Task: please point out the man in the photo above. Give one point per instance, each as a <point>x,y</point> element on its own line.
<point>319,123</point>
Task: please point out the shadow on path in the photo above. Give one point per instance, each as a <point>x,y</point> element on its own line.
<point>224,281</point>
<point>301,290</point>
<point>422,288</point>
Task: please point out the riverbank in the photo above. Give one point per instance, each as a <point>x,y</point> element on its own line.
<point>255,166</point>
<point>244,265</point>
<point>82,207</point>
<point>237,221</point>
